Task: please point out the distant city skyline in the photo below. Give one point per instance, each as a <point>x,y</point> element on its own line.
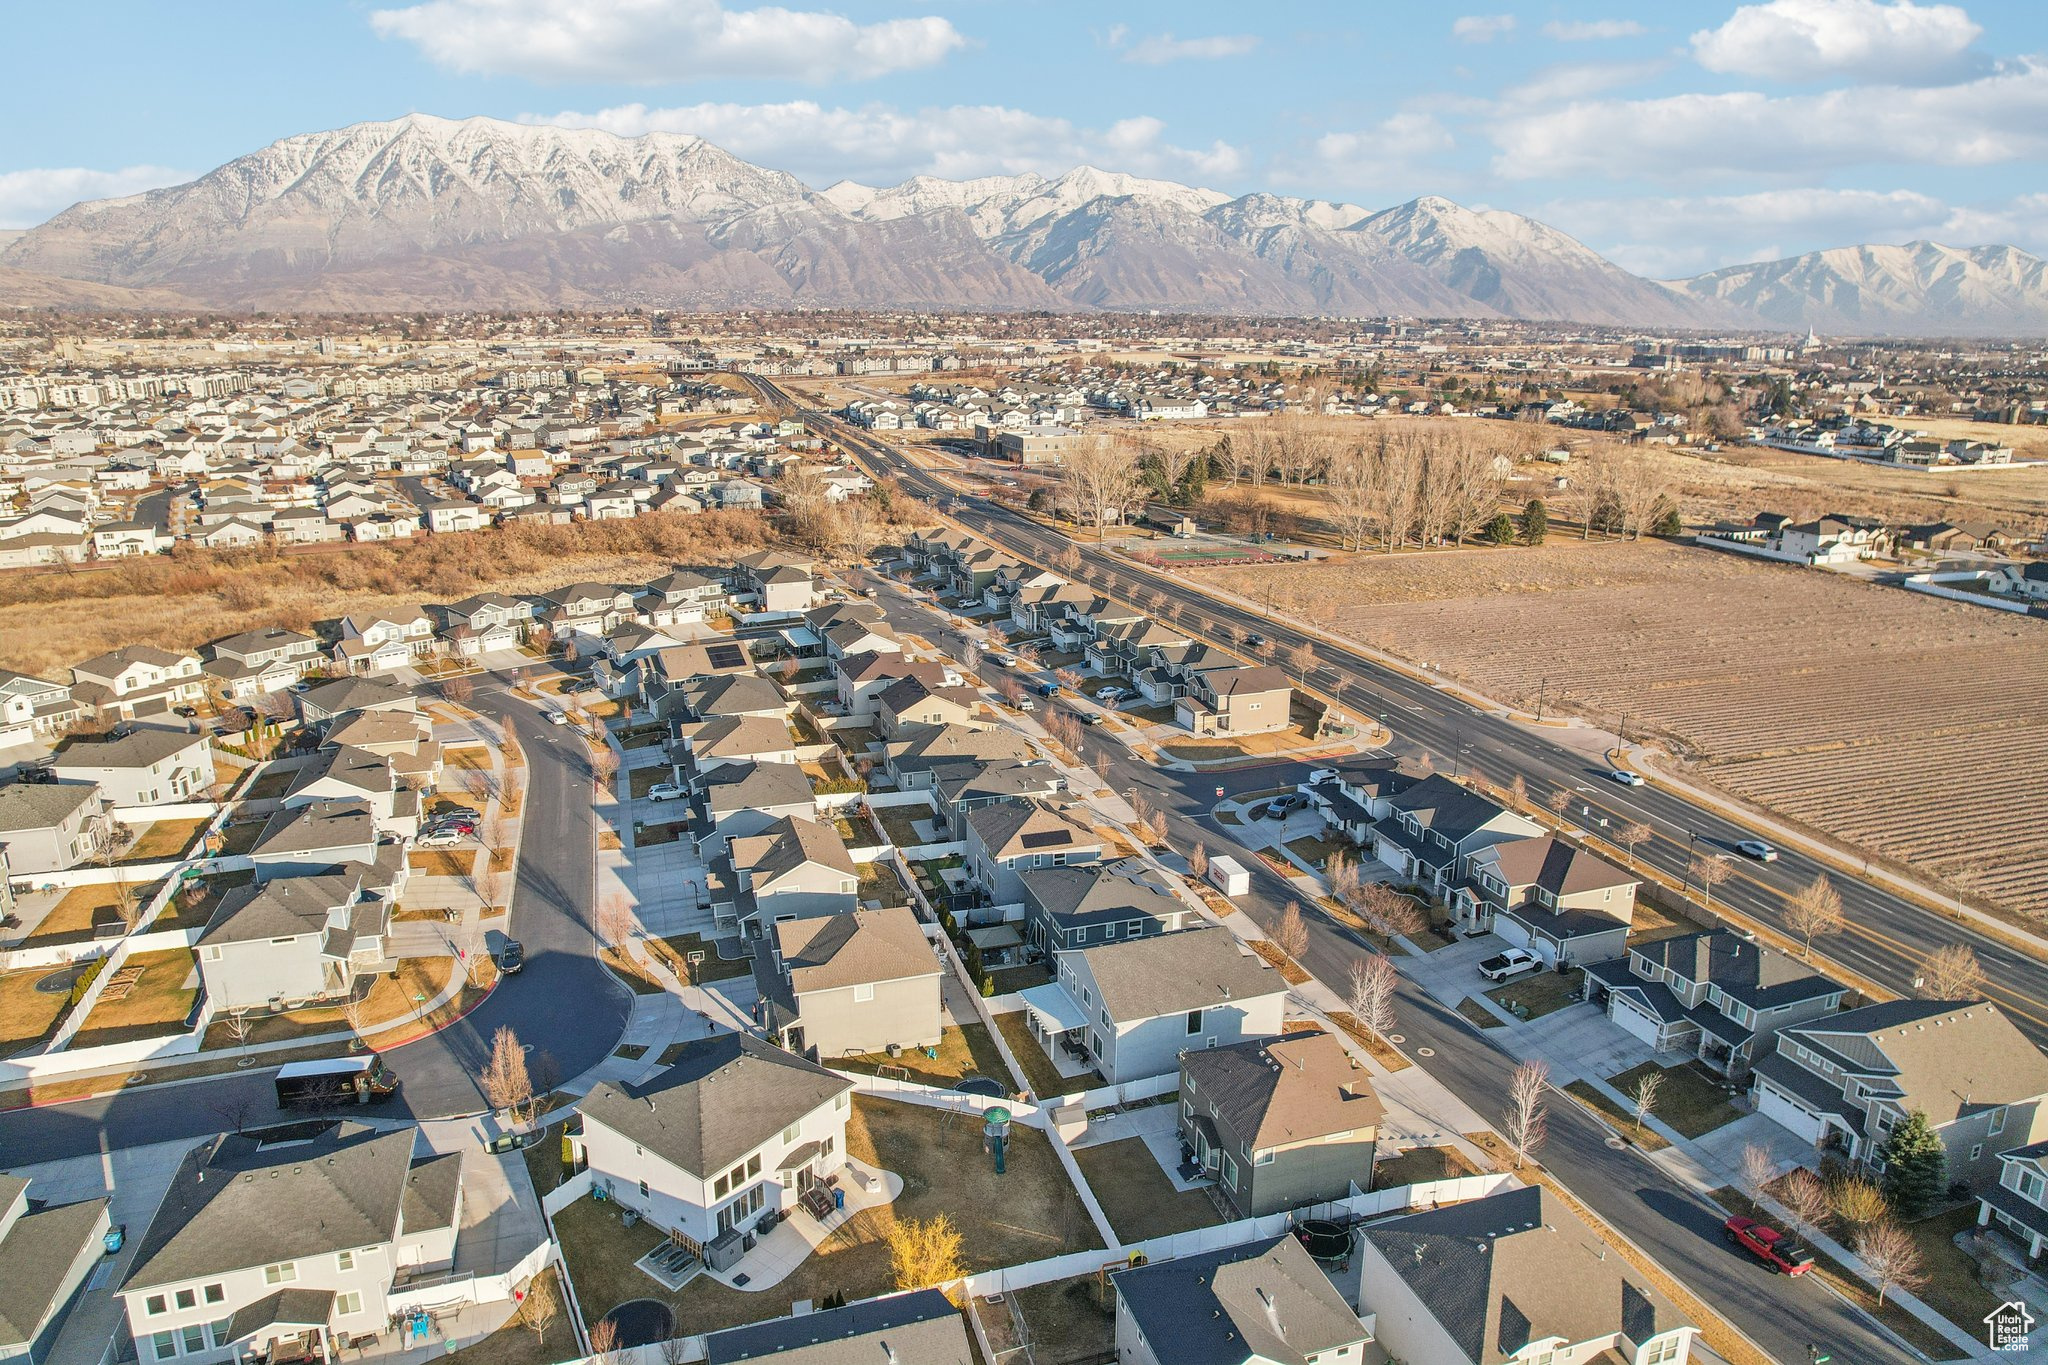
<point>1672,141</point>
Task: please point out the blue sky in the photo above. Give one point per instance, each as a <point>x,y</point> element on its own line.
<point>1674,138</point>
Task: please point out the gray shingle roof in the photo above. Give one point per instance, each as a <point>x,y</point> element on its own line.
<point>1173,973</point>
<point>919,1328</point>
<point>34,1257</point>
<point>40,805</point>
<point>827,952</point>
<point>235,1204</point>
<point>288,906</point>
<point>318,826</point>
<point>723,1098</point>
<point>1285,1090</point>
<point>1263,1301</point>
<point>139,748</point>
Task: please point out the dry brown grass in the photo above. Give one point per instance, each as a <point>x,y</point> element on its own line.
<point>1786,687</point>
<point>1270,952</point>
<point>27,1014</point>
<point>51,620</point>
<point>163,839</point>
<point>158,1004</point>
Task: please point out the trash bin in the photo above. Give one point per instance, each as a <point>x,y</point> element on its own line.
<point>839,1199</point>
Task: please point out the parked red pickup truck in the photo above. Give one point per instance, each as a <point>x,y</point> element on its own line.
<point>1779,1250</point>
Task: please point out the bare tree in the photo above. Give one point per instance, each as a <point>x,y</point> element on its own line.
<point>1637,487</point>
<point>1952,973</point>
<point>1518,792</point>
<point>1171,463</point>
<point>458,689</point>
<point>1101,479</point>
<point>1159,828</point>
<point>541,1307</point>
<point>1892,1257</point>
<point>1524,1124</point>
<point>1559,801</point>
<point>1802,1192</point>
<point>1352,496</point>
<point>1639,832</point>
<point>1814,911</point>
<point>604,765</point>
<point>232,1105</point>
<point>1370,992</point>
<point>1198,861</point>
<point>1710,871</point>
<point>1290,934</point>
<point>506,1085</point>
<point>1340,871</point>
<point>1069,678</point>
<point>1758,1169</point>
<point>604,1342</point>
<point>861,528</point>
<point>614,924</point>
<point>1644,1096</point>
<point>1388,912</point>
<point>1302,659</point>
<point>239,1025</point>
<point>1394,479</point>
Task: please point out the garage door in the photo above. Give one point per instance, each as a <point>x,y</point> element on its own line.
<point>1774,1105</point>
<point>1633,1021</point>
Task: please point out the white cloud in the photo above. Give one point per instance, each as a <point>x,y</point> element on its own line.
<point>656,42</point>
<point>882,144</point>
<point>2002,117</point>
<point>1161,48</point>
<point>1398,155</point>
<point>1802,40</point>
<point>1482,28</point>
<point>1689,235</point>
<point>1592,30</point>
<point>33,196</point>
<point>1553,85</point>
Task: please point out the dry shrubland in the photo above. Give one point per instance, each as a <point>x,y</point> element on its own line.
<point>1910,726</point>
<point>49,621</point>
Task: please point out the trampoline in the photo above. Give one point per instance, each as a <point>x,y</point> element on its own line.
<point>642,1322</point>
<point>981,1085</point>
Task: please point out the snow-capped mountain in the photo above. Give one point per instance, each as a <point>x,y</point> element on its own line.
<point>1919,287</point>
<point>423,212</point>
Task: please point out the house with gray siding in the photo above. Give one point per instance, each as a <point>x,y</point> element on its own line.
<point>1716,996</point>
<point>49,827</point>
<point>147,766</point>
<point>1074,906</point>
<point>316,837</point>
<point>46,1253</point>
<point>847,985</point>
<point>1563,903</point>
<point>291,941</point>
<point>1279,1123</point>
<point>794,869</point>
<point>735,800</point>
<point>1009,838</point>
<point>1260,1303</point>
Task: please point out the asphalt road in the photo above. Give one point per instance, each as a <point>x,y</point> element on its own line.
<point>1887,938</point>
<point>564,1006</point>
<point>1665,1218</point>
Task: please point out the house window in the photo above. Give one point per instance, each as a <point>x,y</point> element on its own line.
<point>187,1299</point>
<point>863,994</point>
<point>789,1134</point>
<point>1997,1122</point>
<point>720,1188</point>
<point>1134,928</point>
<point>737,1176</point>
<point>345,1262</point>
<point>219,1332</point>
<point>1194,1021</point>
<point>194,1338</point>
<point>349,1304</point>
<point>155,1305</point>
<point>643,1189</point>
<point>1264,1158</point>
<point>1977,1151</point>
<point>216,1293</point>
<point>1229,1171</point>
<point>284,1272</point>
<point>164,1345</point>
<point>753,1165</point>
<point>2031,1183</point>
<point>1660,1351</point>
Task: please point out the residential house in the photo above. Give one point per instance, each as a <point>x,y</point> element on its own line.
<point>2018,1204</point>
<point>911,702</point>
<point>794,869</point>
<point>682,598</point>
<point>137,680</point>
<point>735,1128</point>
<point>258,663</point>
<point>718,696</point>
<point>33,708</point>
<point>734,800</point>
<point>1279,1123</point>
<point>1130,1008</point>
<point>1236,701</point>
<point>1844,1081</point>
<point>1070,907</point>
<point>46,1253</point>
<point>735,739</point>
<point>1008,838</point>
<point>863,677</point>
<point>292,941</point>
<point>776,581</point>
<point>852,984</point>
<point>371,644</point>
<point>1167,671</point>
<point>1561,902</point>
<point>147,766</point>
<point>320,706</point>
<point>404,738</point>
<point>342,772</point>
<point>50,827</point>
<point>963,785</point>
<point>1716,996</point>
<point>591,610</point>
<point>288,1250</point>
<point>317,837</point>
<point>664,673</point>
<point>2028,581</point>
<point>918,1328</point>
<point>1515,1278</point>
<point>1357,799</point>
<point>1432,829</point>
<point>914,761</point>
<point>1263,1303</point>
<point>1125,647</point>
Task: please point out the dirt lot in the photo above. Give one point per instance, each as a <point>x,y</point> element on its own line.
<point>1913,727</point>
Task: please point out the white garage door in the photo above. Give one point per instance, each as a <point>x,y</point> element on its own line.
<point>1633,1021</point>
<point>1774,1105</point>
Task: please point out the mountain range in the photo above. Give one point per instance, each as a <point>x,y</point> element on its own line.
<point>430,213</point>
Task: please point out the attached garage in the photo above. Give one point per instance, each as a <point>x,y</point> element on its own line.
<point>1783,1110</point>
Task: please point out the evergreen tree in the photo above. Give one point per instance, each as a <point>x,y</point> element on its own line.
<point>1535,522</point>
<point>1501,530</point>
<point>1668,524</point>
<point>1915,1167</point>
<point>1195,481</point>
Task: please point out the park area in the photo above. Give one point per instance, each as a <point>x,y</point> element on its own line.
<point>1827,700</point>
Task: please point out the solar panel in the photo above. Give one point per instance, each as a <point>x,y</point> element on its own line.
<point>1046,838</point>
<point>725,656</point>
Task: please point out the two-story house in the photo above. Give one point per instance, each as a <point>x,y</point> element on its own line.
<point>734,800</point>
<point>317,837</point>
<point>1515,1278</point>
<point>291,941</point>
<point>257,663</point>
<point>962,785</point>
<point>852,984</point>
<point>733,739</point>
<point>46,1254</point>
<point>1073,906</point>
<point>1357,799</point>
<point>775,581</point>
<point>1715,996</point>
<point>373,644</point>
<point>911,702</point>
<point>914,761</point>
<point>50,826</point>
<point>1009,838</point>
<point>1260,1303</point>
<point>289,1250</point>
<point>137,680</point>
<point>1235,701</point>
<point>795,869</point>
<point>320,706</point>
<point>1279,1123</point>
<point>1130,1008</point>
<point>147,766</point>
<point>682,598</point>
<point>1561,902</point>
<point>2018,1204</point>
<point>1433,828</point>
<point>1844,1081</point>
<point>33,708</point>
<point>735,1128</point>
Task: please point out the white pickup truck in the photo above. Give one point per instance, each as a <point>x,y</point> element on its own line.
<point>1512,963</point>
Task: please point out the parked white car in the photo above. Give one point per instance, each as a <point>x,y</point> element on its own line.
<point>558,717</point>
<point>1111,694</point>
<point>1510,964</point>
<point>667,791</point>
<point>446,838</point>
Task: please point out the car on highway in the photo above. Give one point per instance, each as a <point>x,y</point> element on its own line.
<point>1510,964</point>
<point>511,957</point>
<point>1254,640</point>
<point>667,791</point>
<point>1625,777</point>
<point>1286,805</point>
<point>1784,1253</point>
<point>1318,776</point>
<point>1757,849</point>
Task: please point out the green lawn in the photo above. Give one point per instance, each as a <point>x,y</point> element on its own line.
<point>1688,1099</point>
<point>1140,1201</point>
<point>963,1052</point>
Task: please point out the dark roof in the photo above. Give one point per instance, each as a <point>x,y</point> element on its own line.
<point>1444,807</point>
<point>827,952</point>
<point>285,1308</point>
<point>433,1192</point>
<point>1559,867</point>
<point>38,1251</point>
<point>723,1098</point>
<point>1083,894</point>
<point>141,747</point>
<point>318,826</point>
<point>1273,1091</point>
<point>235,1204</point>
<point>357,694</point>
<point>1762,978</point>
<point>287,906</point>
<point>40,805</point>
<point>919,1328</point>
<point>1264,1301</point>
<point>756,786</point>
<point>1515,1267</point>
<point>1947,1058</point>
